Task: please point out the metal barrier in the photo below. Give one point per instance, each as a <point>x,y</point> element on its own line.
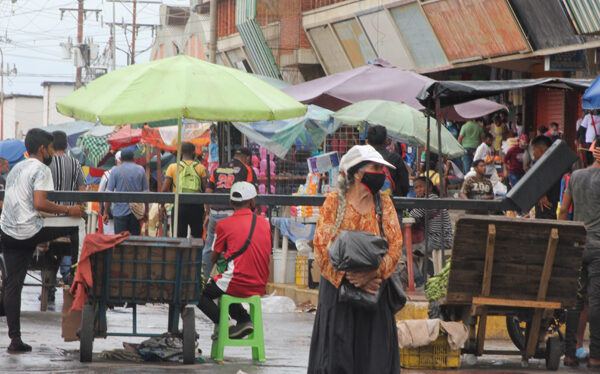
<point>271,200</point>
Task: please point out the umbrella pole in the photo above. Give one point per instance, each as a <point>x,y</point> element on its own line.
<point>176,207</point>
<point>427,154</point>
<point>440,171</point>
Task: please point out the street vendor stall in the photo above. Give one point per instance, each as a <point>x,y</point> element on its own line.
<point>181,86</point>
<point>514,267</point>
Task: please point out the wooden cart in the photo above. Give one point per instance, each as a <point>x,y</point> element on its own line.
<point>524,269</point>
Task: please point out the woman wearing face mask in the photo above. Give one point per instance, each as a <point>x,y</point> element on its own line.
<point>349,339</point>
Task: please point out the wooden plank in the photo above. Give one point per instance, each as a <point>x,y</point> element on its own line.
<point>489,261</point>
<point>488,301</point>
<point>486,285</point>
<point>544,280</point>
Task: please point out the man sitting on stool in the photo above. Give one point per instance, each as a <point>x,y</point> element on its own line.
<point>244,241</point>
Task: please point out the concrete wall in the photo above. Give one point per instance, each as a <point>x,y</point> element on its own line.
<point>20,115</point>
<point>52,94</point>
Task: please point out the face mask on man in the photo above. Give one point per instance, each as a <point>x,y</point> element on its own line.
<point>373,181</point>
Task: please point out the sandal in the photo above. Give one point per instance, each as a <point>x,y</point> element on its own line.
<point>571,361</point>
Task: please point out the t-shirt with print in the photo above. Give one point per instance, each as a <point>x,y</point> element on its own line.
<point>247,274</point>
<point>223,177</point>
<point>514,160</point>
<point>171,172</point>
<point>583,188</point>
<point>477,189</point>
<point>20,220</point>
<point>472,133</point>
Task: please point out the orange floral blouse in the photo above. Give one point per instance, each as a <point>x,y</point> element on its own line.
<point>355,221</point>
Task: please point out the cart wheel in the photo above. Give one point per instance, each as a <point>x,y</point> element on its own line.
<point>86,333</point>
<point>517,330</point>
<point>189,336</point>
<point>554,351</point>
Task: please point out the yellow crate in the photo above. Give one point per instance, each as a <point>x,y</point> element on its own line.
<point>436,355</point>
<point>302,271</point>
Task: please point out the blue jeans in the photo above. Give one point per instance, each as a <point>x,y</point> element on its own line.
<point>127,223</point>
<point>208,246</point>
<point>467,159</point>
<point>514,178</point>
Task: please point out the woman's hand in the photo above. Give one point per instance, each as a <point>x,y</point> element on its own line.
<point>372,286</point>
<point>360,278</point>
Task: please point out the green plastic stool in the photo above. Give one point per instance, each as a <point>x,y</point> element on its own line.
<point>255,340</point>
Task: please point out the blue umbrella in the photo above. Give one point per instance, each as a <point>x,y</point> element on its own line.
<point>591,97</point>
<point>13,150</point>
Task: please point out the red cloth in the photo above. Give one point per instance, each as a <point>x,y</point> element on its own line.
<point>83,281</point>
<point>247,274</point>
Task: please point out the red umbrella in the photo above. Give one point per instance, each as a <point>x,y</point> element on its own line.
<point>125,137</point>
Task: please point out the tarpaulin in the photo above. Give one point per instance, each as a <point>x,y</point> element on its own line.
<point>457,92</point>
<point>166,137</point>
<point>279,136</point>
<point>125,137</point>
<point>591,97</point>
<point>13,150</point>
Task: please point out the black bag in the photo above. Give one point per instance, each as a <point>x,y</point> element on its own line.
<point>359,251</point>
<point>395,289</point>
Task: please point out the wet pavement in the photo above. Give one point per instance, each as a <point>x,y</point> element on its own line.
<point>287,340</point>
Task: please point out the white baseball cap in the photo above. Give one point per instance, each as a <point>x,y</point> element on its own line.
<point>118,156</point>
<point>242,191</point>
<point>360,153</point>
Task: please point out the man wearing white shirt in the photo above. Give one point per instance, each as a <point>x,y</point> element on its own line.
<point>588,131</point>
<point>485,152</point>
<point>22,225</point>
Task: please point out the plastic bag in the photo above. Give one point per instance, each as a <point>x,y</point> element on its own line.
<point>277,304</point>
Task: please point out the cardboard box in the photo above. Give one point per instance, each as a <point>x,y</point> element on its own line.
<point>71,321</point>
<point>321,164</point>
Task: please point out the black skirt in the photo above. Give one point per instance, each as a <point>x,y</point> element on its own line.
<point>348,340</point>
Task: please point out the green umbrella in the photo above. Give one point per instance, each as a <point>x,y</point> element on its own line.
<point>175,88</point>
<point>403,123</point>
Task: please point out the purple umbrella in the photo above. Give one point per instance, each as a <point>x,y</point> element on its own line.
<point>378,81</point>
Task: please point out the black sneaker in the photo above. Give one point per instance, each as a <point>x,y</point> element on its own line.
<point>17,346</point>
<point>241,330</point>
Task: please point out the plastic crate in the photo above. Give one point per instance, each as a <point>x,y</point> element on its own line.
<point>436,355</point>
<point>302,270</point>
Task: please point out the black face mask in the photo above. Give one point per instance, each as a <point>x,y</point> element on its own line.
<point>47,161</point>
<point>373,181</point>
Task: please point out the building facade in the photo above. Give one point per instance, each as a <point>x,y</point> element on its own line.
<point>21,113</point>
<point>54,92</point>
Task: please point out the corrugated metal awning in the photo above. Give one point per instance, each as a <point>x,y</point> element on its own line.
<point>585,15</point>
<point>254,39</point>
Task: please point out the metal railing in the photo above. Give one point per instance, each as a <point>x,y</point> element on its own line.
<point>270,200</point>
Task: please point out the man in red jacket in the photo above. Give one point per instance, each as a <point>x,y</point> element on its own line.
<point>244,241</point>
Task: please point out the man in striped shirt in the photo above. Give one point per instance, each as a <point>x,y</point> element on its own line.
<point>67,175</point>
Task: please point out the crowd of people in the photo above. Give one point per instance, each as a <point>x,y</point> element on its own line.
<point>238,241</point>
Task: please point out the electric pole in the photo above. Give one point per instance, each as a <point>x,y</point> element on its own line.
<point>134,24</point>
<point>133,33</point>
<point>80,13</point>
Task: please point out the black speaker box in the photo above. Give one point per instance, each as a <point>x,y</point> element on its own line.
<point>544,173</point>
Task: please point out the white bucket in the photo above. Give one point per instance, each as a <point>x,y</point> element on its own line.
<point>290,267</point>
